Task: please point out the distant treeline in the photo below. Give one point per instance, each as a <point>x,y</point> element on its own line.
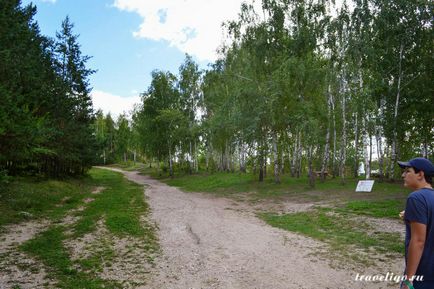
<point>46,112</point>
<point>300,87</point>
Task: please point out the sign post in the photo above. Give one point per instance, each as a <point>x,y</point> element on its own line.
<point>365,186</point>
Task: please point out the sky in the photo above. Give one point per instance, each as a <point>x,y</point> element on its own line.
<point>128,39</point>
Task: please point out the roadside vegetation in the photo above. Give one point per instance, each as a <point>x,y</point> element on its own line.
<point>31,198</point>
<point>88,220</point>
<point>354,225</point>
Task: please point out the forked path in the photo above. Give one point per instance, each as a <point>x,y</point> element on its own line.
<point>207,243</point>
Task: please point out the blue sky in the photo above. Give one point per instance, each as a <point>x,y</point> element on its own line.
<point>127,39</point>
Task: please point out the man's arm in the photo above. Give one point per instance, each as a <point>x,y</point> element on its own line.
<point>415,248</point>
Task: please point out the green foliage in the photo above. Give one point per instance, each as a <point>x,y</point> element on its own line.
<point>290,83</point>
<point>45,105</point>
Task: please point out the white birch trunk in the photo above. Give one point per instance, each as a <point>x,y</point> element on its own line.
<point>190,158</point>
<point>379,152</point>
<point>332,103</point>
<point>394,154</point>
<point>310,169</point>
<point>242,157</point>
<point>299,155</point>
<point>344,133</point>
<point>365,149</point>
<point>276,159</point>
<point>327,143</point>
<point>294,157</point>
<point>356,147</point>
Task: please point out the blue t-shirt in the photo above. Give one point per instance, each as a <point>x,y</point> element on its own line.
<point>420,209</point>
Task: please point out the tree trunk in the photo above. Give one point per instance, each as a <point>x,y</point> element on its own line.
<point>394,155</point>
<point>208,149</point>
<point>356,149</point>
<point>425,148</point>
<point>294,157</point>
<point>327,142</point>
<point>190,157</point>
<point>365,149</point>
<point>385,160</point>
<point>379,152</point>
<point>196,164</point>
<point>370,150</point>
<point>261,165</point>
<point>255,158</point>
<point>276,159</point>
<point>299,155</point>
<point>310,173</point>
<point>230,159</point>
<point>332,104</point>
<point>344,134</point>
<point>242,158</point>
<point>170,163</point>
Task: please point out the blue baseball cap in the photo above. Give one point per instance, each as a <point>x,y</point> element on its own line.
<point>421,164</point>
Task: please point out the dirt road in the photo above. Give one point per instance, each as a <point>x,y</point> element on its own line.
<point>209,242</point>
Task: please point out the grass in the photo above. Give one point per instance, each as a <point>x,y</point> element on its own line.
<point>336,230</point>
<point>31,198</point>
<point>377,209</point>
<point>232,184</point>
<point>128,166</point>
<point>121,206</point>
<point>48,247</point>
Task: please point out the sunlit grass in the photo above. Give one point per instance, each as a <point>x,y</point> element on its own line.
<point>337,230</point>
<point>31,198</point>
<point>120,206</point>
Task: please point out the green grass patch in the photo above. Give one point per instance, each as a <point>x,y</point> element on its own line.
<point>337,230</point>
<point>378,209</point>
<point>128,166</point>
<point>227,184</point>
<point>48,247</point>
<point>31,198</point>
<point>120,205</point>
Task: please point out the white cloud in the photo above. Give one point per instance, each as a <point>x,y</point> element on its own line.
<point>114,104</point>
<point>193,26</point>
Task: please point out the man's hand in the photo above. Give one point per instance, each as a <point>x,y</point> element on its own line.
<point>402,215</point>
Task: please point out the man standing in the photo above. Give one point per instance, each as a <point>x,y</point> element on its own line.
<point>419,223</point>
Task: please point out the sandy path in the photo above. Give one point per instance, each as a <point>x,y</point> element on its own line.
<point>207,244</point>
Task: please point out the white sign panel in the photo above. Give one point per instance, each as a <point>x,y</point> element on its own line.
<point>365,186</point>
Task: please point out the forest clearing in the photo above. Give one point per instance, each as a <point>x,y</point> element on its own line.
<point>197,240</point>
<point>234,171</point>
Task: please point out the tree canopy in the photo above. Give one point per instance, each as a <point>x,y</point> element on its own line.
<point>46,112</point>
